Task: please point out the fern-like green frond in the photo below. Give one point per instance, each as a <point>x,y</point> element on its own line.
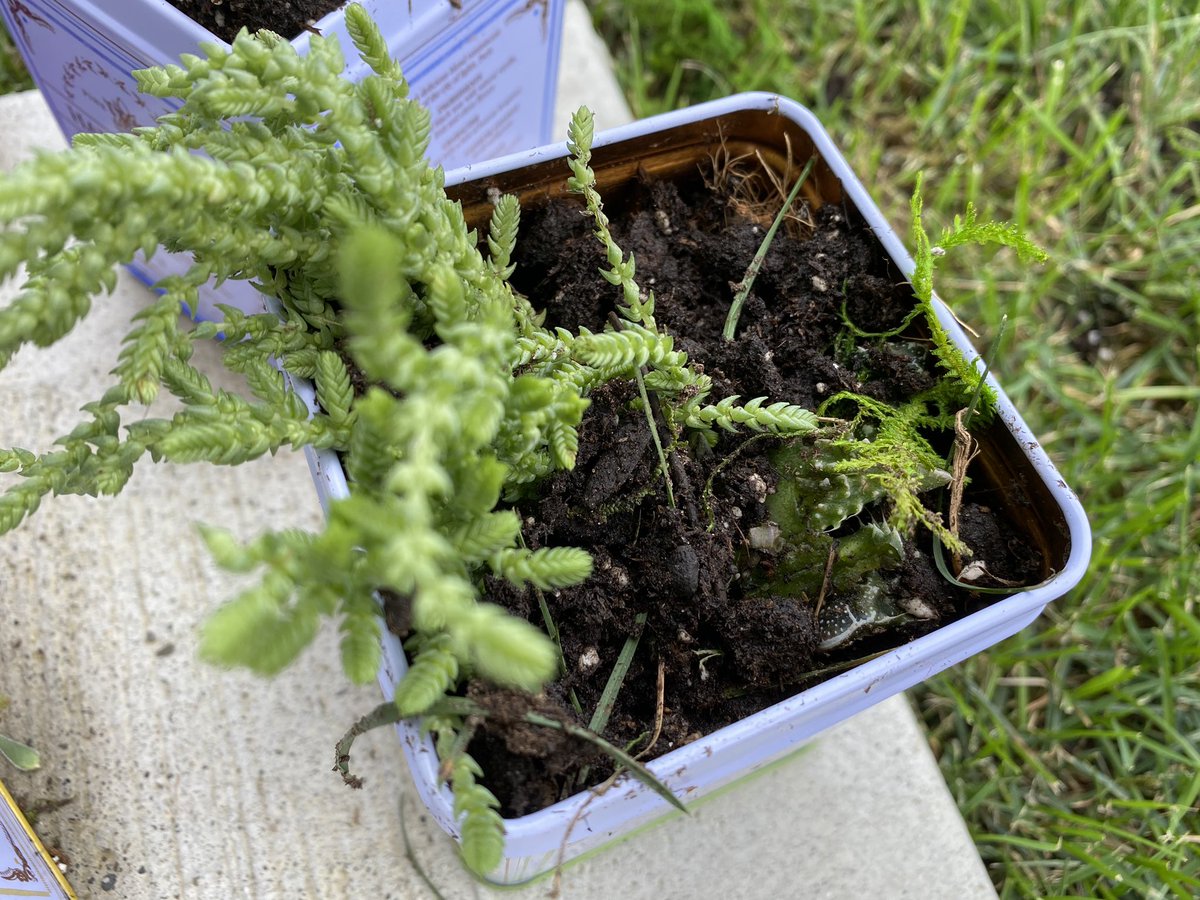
<point>335,393</point>
<point>140,366</point>
<point>622,268</point>
<point>480,825</point>
<point>226,550</point>
<point>507,650</point>
<point>625,350</point>
<point>965,230</point>
<point>377,301</point>
<point>502,234</point>
<point>22,500</point>
<point>482,536</point>
<point>432,672</point>
<point>547,568</point>
<point>258,630</point>
<point>187,383</point>
<point>361,650</point>
<point>564,444</point>
<point>370,44</point>
<point>782,419</point>
<point>969,230</point>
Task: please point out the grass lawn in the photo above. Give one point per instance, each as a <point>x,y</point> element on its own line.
<point>13,76</point>
<point>1074,748</point>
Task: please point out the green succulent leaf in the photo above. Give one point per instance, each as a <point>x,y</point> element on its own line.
<point>20,755</point>
<point>361,650</point>
<point>507,650</point>
<point>258,631</point>
<point>433,672</point>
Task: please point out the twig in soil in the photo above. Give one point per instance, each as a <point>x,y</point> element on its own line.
<point>829,561</point>
<point>598,791</point>
<point>659,707</point>
<point>384,714</point>
<point>685,490</point>
<point>965,447</point>
<point>993,350</point>
<point>964,450</point>
<point>747,282</point>
<point>752,186</point>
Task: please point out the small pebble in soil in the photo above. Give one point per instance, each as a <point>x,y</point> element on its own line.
<point>917,608</point>
<point>757,484</point>
<point>108,882</point>
<point>588,660</point>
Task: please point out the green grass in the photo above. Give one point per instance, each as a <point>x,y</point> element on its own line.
<point>13,76</point>
<point>1072,749</point>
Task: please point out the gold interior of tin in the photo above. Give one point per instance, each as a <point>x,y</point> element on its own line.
<point>666,155</point>
<point>1002,470</point>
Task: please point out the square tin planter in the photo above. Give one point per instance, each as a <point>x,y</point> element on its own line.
<point>1050,515</point>
<point>487,73</point>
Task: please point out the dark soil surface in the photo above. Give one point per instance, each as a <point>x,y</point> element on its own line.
<point>724,652</point>
<point>225,18</point>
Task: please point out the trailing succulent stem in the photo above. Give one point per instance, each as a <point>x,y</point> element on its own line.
<point>453,720</point>
<point>638,342</point>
